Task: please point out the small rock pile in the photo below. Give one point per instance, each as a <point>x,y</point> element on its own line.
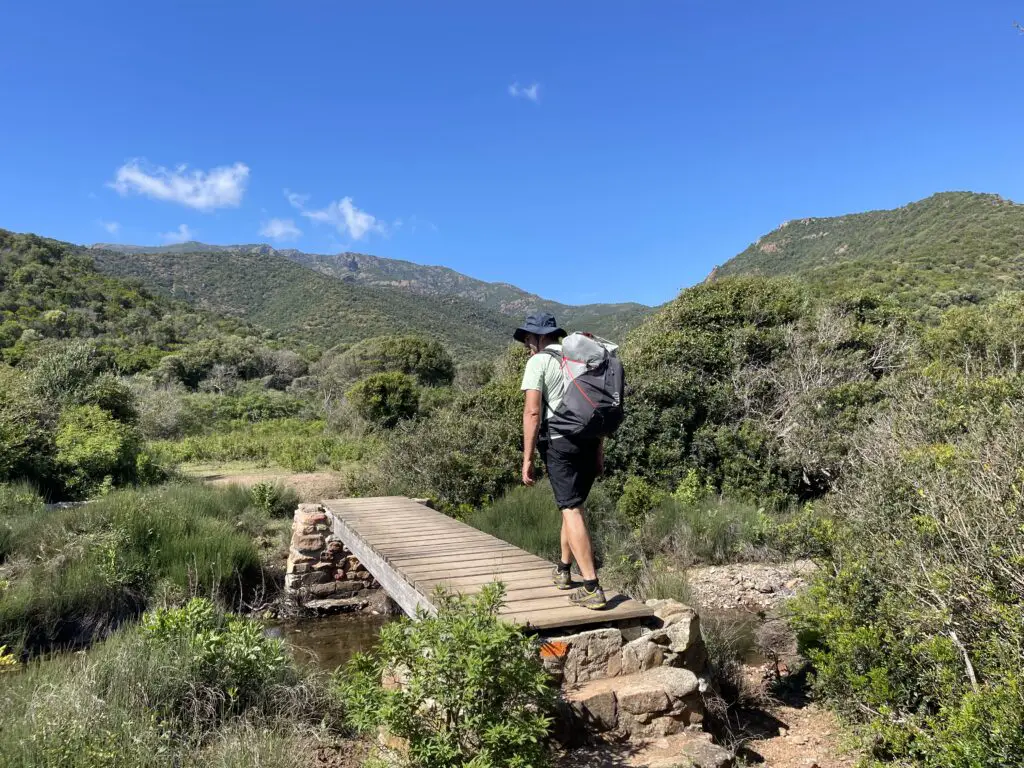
<point>634,683</point>
<point>322,575</point>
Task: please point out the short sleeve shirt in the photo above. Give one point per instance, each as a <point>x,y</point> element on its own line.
<point>544,374</point>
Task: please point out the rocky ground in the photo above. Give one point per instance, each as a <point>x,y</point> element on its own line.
<point>758,587</point>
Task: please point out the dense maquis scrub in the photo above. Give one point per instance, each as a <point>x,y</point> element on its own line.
<point>916,628</point>
<point>189,686</point>
<point>70,576</point>
<point>462,687</point>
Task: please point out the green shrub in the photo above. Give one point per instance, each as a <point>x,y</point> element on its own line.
<point>425,359</point>
<point>93,446</point>
<point>639,497</point>
<point>470,689</point>
<point>20,498</point>
<point>384,399</point>
<point>231,658</point>
<point>275,499</point>
<point>915,625</point>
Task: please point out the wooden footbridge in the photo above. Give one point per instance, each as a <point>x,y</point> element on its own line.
<point>410,550</point>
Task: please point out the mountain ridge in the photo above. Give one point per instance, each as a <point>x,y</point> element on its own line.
<point>947,249</point>
<point>611,319</point>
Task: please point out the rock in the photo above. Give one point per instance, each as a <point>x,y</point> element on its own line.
<point>599,712</point>
<point>704,754</point>
<point>640,655</point>
<point>383,605</point>
<point>332,588</point>
<point>294,567</point>
<point>668,608</point>
<point>336,604</point>
<point>588,654</point>
<point>765,587</point>
<point>308,544</point>
<point>654,703</point>
<point>300,558</point>
<point>644,700</point>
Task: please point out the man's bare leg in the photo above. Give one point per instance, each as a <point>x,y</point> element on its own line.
<point>566,549</point>
<point>575,529</point>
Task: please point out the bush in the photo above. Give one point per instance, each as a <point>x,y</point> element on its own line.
<point>468,689</point>
<point>384,399</point>
<point>462,456</point>
<point>425,359</point>
<point>234,664</point>
<point>275,499</point>
<point>94,448</point>
<point>915,626</point>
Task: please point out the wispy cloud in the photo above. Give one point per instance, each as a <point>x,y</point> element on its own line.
<point>111,226</point>
<point>530,92</point>
<point>182,235</point>
<point>342,214</point>
<point>221,187</point>
<point>295,200</point>
<point>280,229</point>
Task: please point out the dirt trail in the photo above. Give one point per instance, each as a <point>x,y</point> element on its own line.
<point>311,486</point>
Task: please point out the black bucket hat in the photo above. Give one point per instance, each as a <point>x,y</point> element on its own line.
<point>542,324</point>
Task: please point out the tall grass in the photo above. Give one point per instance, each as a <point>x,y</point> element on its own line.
<point>75,574</point>
<point>302,446</point>
<point>648,561</point>
<point>148,701</point>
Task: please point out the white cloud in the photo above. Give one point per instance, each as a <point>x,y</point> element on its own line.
<point>295,199</point>
<point>531,92</point>
<point>221,187</point>
<point>111,226</point>
<point>347,219</point>
<point>182,235</point>
<point>280,229</point>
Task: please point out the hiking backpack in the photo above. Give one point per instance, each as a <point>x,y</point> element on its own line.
<point>593,404</point>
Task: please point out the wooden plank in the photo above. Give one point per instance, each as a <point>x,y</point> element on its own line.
<point>449,536</point>
<point>572,615</point>
<point>529,574</point>
<point>392,550</point>
<point>411,549</point>
<point>428,566</point>
<point>399,550</point>
<point>462,557</point>
<point>400,590</point>
<point>511,566</point>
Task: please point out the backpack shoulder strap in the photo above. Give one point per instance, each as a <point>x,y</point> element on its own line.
<point>551,353</point>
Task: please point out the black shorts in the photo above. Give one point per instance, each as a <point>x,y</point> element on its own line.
<point>572,469</point>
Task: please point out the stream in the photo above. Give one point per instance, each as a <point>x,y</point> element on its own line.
<point>329,642</point>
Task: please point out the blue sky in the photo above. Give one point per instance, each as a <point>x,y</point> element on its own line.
<point>628,146</point>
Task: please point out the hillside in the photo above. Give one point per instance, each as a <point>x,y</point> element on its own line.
<point>611,320</point>
<point>279,294</point>
<point>951,248</point>
<point>51,290</point>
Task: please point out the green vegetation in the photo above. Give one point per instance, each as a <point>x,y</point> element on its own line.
<point>75,574</point>
<point>956,248</point>
<point>307,305</point>
<point>384,399</point>
<point>464,688</point>
<point>609,320</point>
<point>190,687</point>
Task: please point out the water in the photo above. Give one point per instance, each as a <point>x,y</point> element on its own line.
<point>331,641</point>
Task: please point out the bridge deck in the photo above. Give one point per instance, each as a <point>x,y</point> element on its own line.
<point>411,549</point>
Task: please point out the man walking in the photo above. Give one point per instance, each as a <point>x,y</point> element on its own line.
<point>573,464</point>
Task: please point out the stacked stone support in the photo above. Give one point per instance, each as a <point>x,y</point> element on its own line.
<point>322,575</point>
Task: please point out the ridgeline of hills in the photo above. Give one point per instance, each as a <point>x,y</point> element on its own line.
<point>951,248</point>
<point>358,269</point>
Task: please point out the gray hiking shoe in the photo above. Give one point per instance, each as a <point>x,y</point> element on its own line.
<point>561,579</point>
<point>595,600</point>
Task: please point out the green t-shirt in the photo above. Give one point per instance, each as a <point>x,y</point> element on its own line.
<point>544,374</point>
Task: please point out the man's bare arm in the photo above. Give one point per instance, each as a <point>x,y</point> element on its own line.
<point>531,430</point>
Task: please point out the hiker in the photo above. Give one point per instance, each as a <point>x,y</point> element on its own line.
<point>573,463</point>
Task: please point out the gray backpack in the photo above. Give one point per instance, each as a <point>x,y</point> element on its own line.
<point>594,401</point>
